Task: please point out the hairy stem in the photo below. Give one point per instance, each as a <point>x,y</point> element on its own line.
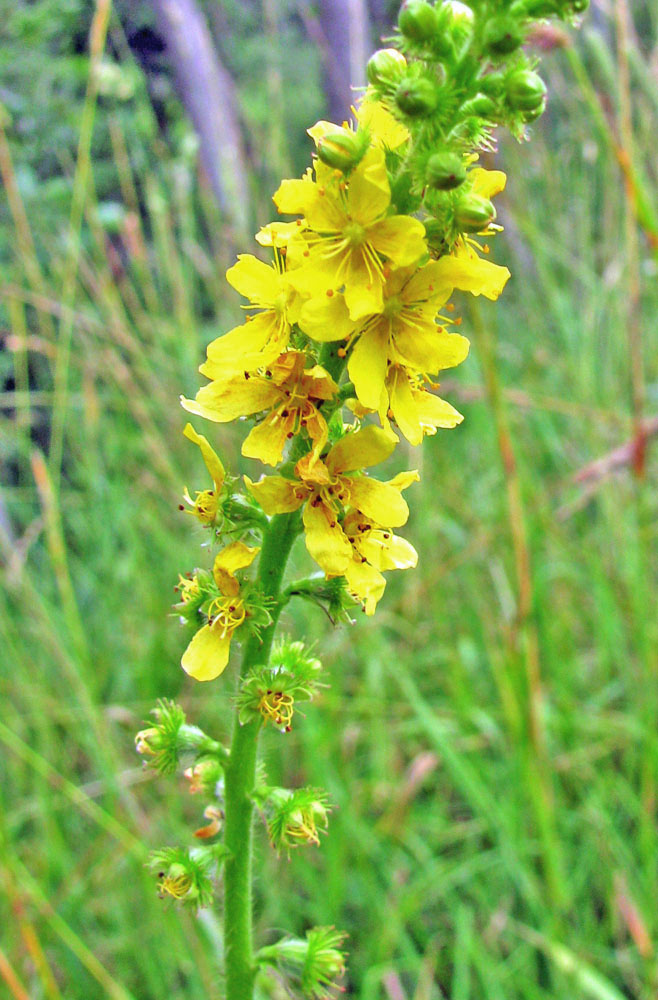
<point>240,775</point>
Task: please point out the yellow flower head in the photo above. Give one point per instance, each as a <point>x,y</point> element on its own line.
<point>207,654</point>
<point>262,338</point>
<point>288,391</point>
<point>349,236</point>
<point>403,332</point>
<point>205,505</point>
<point>328,487</point>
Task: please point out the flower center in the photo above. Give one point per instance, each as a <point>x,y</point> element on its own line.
<point>355,234</point>
<point>226,614</point>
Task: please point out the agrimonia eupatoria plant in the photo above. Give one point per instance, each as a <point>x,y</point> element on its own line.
<point>349,325</point>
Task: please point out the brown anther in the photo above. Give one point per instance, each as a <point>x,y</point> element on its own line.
<point>290,434</point>
<point>285,413</point>
<point>386,535</point>
<point>341,352</point>
<point>450,307</point>
<point>330,293</point>
<point>298,222</point>
<point>247,376</point>
<point>181,507</point>
<point>232,607</point>
<point>458,321</point>
<point>390,414</point>
<point>307,253</point>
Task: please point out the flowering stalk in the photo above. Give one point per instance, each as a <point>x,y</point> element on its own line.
<point>349,326</point>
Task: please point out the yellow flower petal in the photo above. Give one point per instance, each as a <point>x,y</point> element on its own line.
<point>366,583</point>
<point>379,501</point>
<point>368,364</point>
<point>207,654</point>
<point>360,449</point>
<point>487,183</point>
<point>471,273</point>
<point>232,398</point>
<point>258,282</point>
<point>235,556</point>
<point>436,412</point>
<point>246,347</point>
<point>400,238</point>
<point>403,404</point>
<point>369,193</point>
<point>275,494</point>
<point>294,196</point>
<point>266,440</point>
<point>325,539</point>
<point>363,288</point>
<point>385,130</point>
<point>210,457</point>
<point>426,351</point>
<point>278,234</point>
<point>326,318</point>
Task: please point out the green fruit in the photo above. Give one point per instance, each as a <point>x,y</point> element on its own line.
<point>474,213</point>
<point>416,96</point>
<point>525,91</point>
<point>445,171</point>
<point>385,66</point>
<point>418,21</point>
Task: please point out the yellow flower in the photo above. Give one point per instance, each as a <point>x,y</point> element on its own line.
<point>205,505</point>
<point>328,487</point>
<point>351,236</point>
<point>374,549</point>
<point>262,338</point>
<point>207,654</point>
<point>287,390</point>
<point>403,332</point>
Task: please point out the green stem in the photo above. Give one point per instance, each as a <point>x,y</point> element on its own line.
<point>240,775</point>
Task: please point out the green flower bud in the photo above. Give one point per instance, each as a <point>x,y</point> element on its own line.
<point>416,96</point>
<point>343,150</point>
<point>525,91</point>
<point>480,105</point>
<point>385,66</point>
<point>492,84</point>
<point>579,6</point>
<point>417,21</point>
<point>502,36</point>
<point>473,213</point>
<point>445,171</point>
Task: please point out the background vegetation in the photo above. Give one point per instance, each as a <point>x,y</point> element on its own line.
<point>489,740</point>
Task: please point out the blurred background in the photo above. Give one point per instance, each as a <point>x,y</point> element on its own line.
<point>489,739</point>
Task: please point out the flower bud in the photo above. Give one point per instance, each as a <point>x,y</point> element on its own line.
<point>445,171</point>
<point>579,6</point>
<point>481,106</point>
<point>313,964</point>
<point>417,21</point>
<point>502,36</point>
<point>416,96</point>
<point>525,91</point>
<point>343,150</point>
<point>385,66</point>
<point>473,213</point>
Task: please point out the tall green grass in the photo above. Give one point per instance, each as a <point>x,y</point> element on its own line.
<point>493,772</point>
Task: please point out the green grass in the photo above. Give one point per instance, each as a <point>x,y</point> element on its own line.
<point>467,857</point>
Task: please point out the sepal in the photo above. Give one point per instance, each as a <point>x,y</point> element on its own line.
<point>293,817</point>
<point>270,692</point>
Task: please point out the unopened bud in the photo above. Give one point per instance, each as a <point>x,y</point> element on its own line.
<point>343,150</point>
<point>502,36</point>
<point>526,91</point>
<point>474,213</point>
<point>385,66</point>
<point>416,96</point>
<point>418,21</point>
<point>445,171</point>
<point>481,106</point>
